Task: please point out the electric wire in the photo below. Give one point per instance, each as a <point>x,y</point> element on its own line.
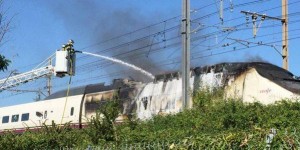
<point>173,18</point>
<point>236,6</point>
<point>109,75</point>
<point>249,28</point>
<point>178,61</point>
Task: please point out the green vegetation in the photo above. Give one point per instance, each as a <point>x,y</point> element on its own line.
<point>5,27</point>
<point>213,123</point>
<point>4,63</point>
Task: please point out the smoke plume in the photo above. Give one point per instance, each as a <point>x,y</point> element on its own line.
<point>98,21</point>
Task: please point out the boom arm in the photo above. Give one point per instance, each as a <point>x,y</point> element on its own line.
<point>65,65</point>
<point>25,77</point>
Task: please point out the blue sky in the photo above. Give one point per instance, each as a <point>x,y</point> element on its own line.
<point>41,27</point>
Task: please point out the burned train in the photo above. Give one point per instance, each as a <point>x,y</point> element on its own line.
<point>250,82</point>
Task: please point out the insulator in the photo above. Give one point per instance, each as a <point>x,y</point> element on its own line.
<point>247,20</point>
<point>231,6</point>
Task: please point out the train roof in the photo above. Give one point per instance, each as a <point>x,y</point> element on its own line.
<point>91,88</point>
<point>270,71</point>
<point>77,91</point>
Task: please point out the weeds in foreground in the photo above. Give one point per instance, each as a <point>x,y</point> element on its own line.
<point>213,123</point>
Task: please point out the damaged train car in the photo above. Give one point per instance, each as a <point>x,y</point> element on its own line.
<point>80,105</point>
<point>262,82</point>
<point>255,81</point>
<point>250,82</point>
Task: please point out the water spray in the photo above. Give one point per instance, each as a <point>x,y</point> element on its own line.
<point>120,62</point>
<point>66,57</point>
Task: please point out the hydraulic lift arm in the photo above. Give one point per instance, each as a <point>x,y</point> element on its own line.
<point>15,80</point>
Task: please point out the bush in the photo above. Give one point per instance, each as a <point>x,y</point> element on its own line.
<point>213,123</point>
<point>102,128</point>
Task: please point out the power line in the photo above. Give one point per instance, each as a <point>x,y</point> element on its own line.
<point>176,62</point>
<point>172,18</point>
<point>195,40</point>
<point>118,73</point>
<point>106,65</point>
<point>192,39</point>
<point>228,8</point>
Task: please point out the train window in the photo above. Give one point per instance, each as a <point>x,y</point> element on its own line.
<point>25,117</point>
<point>5,119</point>
<point>39,114</point>
<point>15,118</point>
<point>72,111</point>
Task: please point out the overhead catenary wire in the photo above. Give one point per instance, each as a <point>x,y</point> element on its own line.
<point>248,47</point>
<point>118,73</point>
<point>172,18</point>
<point>135,54</point>
<point>128,52</point>
<point>217,54</point>
<point>278,32</point>
<point>269,9</point>
<point>225,9</point>
<point>199,18</point>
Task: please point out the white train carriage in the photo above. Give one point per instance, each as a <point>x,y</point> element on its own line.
<point>159,97</point>
<point>80,106</point>
<point>35,114</point>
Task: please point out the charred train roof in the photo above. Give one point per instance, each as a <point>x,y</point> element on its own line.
<point>92,88</point>
<point>265,69</point>
<point>272,72</point>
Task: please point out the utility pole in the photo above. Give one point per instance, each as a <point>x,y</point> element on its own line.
<point>284,20</point>
<point>285,50</point>
<point>49,80</point>
<point>185,34</point>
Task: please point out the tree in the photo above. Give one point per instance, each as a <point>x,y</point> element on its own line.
<point>3,63</point>
<point>4,29</point>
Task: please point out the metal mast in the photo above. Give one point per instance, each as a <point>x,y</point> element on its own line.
<point>285,51</point>
<point>284,20</point>
<point>185,52</point>
<point>49,79</point>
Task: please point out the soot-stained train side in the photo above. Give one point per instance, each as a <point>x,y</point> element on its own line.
<point>80,105</point>
<point>147,99</point>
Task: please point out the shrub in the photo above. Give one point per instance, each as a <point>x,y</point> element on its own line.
<point>213,123</point>
<point>101,127</point>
